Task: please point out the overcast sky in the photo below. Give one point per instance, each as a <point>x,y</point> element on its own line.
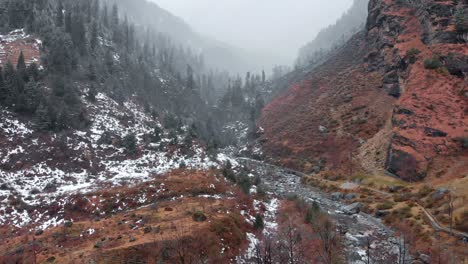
<point>278,27</point>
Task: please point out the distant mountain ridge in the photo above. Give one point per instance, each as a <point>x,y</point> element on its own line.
<point>217,55</point>
<point>335,35</point>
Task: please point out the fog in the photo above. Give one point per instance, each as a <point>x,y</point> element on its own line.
<point>277,28</point>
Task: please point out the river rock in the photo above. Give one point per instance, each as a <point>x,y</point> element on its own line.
<point>394,188</point>
<point>425,258</point>
<point>337,196</point>
<point>354,257</point>
<point>439,193</point>
<point>381,213</point>
<point>350,196</point>
<point>354,208</point>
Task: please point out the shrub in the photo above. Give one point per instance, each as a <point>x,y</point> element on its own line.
<point>259,224</point>
<point>385,205</point>
<point>404,212</point>
<point>463,141</point>
<point>312,212</point>
<point>433,63</point>
<point>130,143</point>
<point>50,260</point>
<point>461,21</point>
<point>425,191</point>
<point>199,216</point>
<point>244,183</point>
<point>228,173</point>
<point>156,138</point>
<point>412,54</point>
<point>68,224</point>
<point>462,222</point>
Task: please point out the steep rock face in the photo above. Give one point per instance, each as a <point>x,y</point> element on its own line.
<point>382,107</point>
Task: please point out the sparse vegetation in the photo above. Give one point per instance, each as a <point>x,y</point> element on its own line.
<point>433,63</point>
<point>461,21</point>
<point>385,205</point>
<point>412,54</point>
<point>130,143</point>
<point>199,216</point>
<point>259,224</point>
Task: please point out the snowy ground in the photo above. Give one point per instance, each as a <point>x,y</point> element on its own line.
<point>34,172</point>
<point>270,214</point>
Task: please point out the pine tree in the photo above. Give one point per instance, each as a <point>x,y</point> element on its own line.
<point>61,56</point>
<point>59,17</point>
<point>116,33</point>
<point>263,76</point>
<point>31,16</point>
<point>92,72</point>
<point>92,93</point>
<point>259,224</point>
<point>94,36</point>
<point>78,34</point>
<point>2,87</point>
<point>95,9</point>
<point>126,34</point>
<point>42,120</point>
<point>33,72</point>
<point>21,67</point>
<point>259,104</point>
<point>58,86</point>
<point>157,134</point>
<point>11,84</point>
<point>31,96</point>
<point>105,16</point>
<point>63,119</point>
<point>88,10</point>
<point>190,80</point>
<point>130,143</point>
<point>68,22</point>
<point>17,13</point>
<point>237,98</point>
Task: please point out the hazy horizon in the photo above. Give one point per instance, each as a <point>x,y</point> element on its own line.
<point>273,27</point>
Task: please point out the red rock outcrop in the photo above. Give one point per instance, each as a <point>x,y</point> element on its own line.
<point>376,102</point>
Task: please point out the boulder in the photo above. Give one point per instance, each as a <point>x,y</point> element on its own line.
<point>391,77</point>
<point>404,111</point>
<point>354,257</point>
<point>425,258</point>
<point>409,166</point>
<point>456,64</point>
<point>439,193</point>
<point>393,89</point>
<point>147,229</point>
<point>381,213</point>
<point>394,188</point>
<point>354,208</point>
<point>350,196</point>
<point>432,132</point>
<point>337,196</point>
<point>199,217</point>
<point>323,129</point>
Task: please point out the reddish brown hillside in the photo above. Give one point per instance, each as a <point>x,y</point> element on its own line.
<point>12,44</point>
<point>375,104</point>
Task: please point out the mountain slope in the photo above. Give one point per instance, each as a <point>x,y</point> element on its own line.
<point>217,55</point>
<point>335,35</point>
<point>376,104</point>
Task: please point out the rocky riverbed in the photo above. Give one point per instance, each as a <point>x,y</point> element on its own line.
<point>359,229</point>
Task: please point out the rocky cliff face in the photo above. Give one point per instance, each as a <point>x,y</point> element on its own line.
<point>394,98</point>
